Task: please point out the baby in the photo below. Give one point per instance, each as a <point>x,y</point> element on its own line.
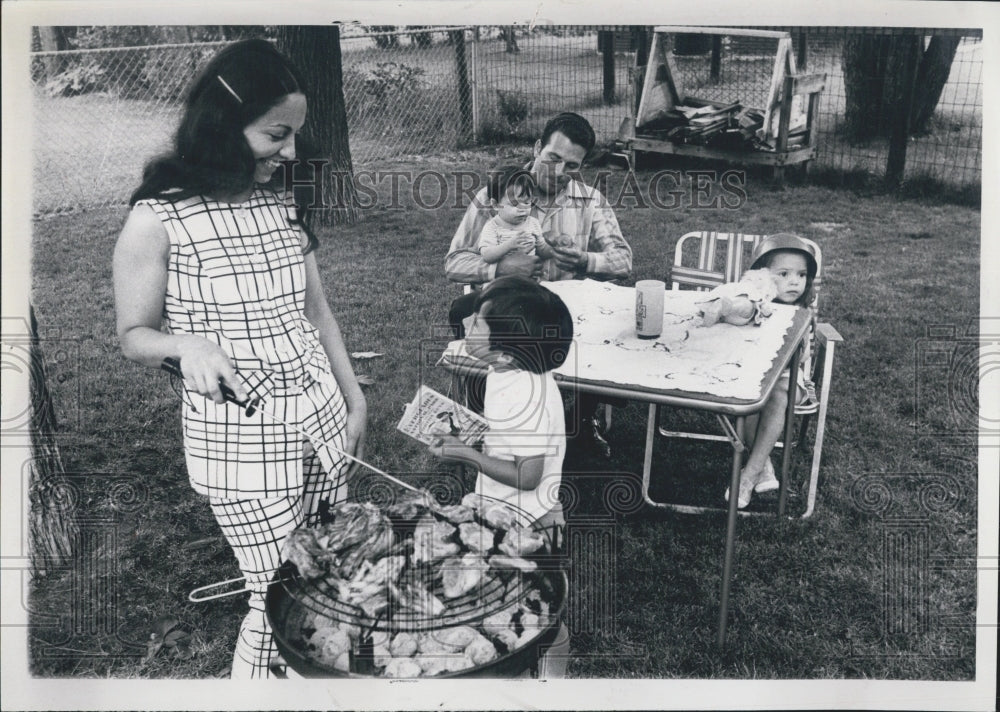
<point>513,228</point>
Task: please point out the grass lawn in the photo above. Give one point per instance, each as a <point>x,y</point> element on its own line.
<point>819,598</point>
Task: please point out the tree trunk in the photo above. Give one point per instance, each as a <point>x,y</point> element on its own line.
<point>935,66</point>
<point>315,50</point>
<point>53,528</point>
<point>510,40</point>
<point>863,59</point>
<point>902,54</point>
<point>52,39</point>
<point>901,77</point>
<point>875,69</point>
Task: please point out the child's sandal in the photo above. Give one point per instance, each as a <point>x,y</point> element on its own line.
<point>768,481</point>
<point>746,490</point>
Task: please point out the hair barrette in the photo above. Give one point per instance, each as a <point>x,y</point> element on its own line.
<point>228,88</point>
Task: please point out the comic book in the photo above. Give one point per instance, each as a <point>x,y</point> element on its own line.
<point>431,414</point>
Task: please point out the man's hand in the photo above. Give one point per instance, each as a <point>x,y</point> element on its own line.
<point>517,263</point>
<point>569,258</point>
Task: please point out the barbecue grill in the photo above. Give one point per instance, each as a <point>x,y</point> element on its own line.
<point>294,604</point>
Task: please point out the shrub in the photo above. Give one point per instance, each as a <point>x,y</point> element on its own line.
<point>81,79</point>
<point>514,107</point>
<point>391,78</point>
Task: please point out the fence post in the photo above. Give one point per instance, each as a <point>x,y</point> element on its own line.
<point>716,69</point>
<point>606,38</point>
<point>474,84</point>
<point>464,93</point>
<point>641,60</point>
<point>896,162</point>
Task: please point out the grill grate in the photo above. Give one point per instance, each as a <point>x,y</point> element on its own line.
<point>320,598</point>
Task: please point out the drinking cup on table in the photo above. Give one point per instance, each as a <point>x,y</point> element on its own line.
<point>649,308</point>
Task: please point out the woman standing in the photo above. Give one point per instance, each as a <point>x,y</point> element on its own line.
<point>216,252</point>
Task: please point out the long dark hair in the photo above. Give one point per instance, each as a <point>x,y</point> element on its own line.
<point>527,322</point>
<point>210,155</point>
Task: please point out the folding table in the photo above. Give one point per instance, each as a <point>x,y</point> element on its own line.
<point>630,357</point>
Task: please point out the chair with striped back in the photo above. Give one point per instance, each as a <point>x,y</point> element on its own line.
<point>704,260</point>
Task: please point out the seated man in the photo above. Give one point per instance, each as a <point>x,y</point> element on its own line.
<point>577,222</point>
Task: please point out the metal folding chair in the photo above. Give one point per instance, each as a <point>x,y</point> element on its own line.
<point>704,260</point>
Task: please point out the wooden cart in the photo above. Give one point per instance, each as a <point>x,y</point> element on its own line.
<point>788,115</point>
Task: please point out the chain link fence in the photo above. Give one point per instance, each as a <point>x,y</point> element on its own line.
<point>946,145</point>
<point>101,113</point>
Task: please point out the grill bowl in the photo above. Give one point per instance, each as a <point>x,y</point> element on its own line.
<point>286,614</point>
<point>291,601</point>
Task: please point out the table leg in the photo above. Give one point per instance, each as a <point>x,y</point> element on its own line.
<point>727,564</point>
<point>786,452</point>
<point>647,460</point>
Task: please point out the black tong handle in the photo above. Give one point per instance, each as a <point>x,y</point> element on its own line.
<point>173,367</point>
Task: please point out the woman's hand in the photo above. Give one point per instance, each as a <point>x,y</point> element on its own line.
<point>356,431</point>
<point>452,448</point>
<point>204,364</point>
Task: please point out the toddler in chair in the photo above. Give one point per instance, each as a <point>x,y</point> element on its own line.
<point>783,270</point>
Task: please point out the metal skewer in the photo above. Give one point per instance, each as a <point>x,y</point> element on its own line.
<point>173,367</point>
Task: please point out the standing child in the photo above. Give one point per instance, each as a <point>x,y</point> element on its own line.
<point>522,331</point>
<point>511,191</point>
<point>213,251</point>
<point>792,264</point>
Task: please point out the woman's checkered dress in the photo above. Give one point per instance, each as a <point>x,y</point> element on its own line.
<point>236,277</point>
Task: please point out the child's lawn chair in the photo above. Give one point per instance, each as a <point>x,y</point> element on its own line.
<point>703,260</point>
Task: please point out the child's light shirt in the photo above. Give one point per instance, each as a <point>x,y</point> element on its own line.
<point>525,413</point>
<point>498,231</point>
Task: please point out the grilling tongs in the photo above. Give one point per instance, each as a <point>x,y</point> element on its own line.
<point>251,406</point>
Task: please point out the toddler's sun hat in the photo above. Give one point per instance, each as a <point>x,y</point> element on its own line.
<point>785,241</point>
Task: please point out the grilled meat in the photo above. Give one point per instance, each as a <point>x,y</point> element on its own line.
<point>521,541</point>
<point>370,579</point>
<point>512,562</point>
<point>403,644</point>
<point>430,664</point>
<point>377,543</point>
<point>457,637</point>
<point>481,650</point>
<point>408,508</point>
<point>417,598</point>
<point>318,551</point>
<point>499,621</point>
<point>456,513</point>
<point>459,576</point>
<point>431,540</point>
<point>498,516</point>
<point>455,663</point>
<point>402,667</point>
<point>474,501</point>
<point>310,559</point>
<point>476,537</point>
